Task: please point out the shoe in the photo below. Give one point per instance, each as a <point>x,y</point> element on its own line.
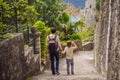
<point>57,73</point>
<point>68,74</point>
<point>72,73</point>
<point>53,73</point>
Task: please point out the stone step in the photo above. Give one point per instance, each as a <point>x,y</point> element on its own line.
<point>68,77</point>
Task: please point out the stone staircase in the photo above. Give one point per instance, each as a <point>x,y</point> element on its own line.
<point>84,69</point>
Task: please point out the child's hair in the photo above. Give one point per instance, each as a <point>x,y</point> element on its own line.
<point>69,44</point>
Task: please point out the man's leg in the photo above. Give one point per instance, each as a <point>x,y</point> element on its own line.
<point>52,63</point>
<point>57,62</point>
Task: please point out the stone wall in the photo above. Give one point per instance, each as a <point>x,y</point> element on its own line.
<point>107,39</point>
<point>101,33</point>
<point>88,46</point>
<point>31,61</point>
<point>89,12</point>
<point>17,63</point>
<point>114,40</point>
<point>11,53</point>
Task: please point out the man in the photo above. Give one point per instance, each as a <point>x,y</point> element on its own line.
<point>53,44</point>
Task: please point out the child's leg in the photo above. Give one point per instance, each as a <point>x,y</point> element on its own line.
<point>68,65</point>
<point>72,66</point>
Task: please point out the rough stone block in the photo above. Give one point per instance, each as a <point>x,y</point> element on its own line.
<point>11,51</point>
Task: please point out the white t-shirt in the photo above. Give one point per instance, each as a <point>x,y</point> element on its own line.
<point>69,52</point>
<point>52,36</point>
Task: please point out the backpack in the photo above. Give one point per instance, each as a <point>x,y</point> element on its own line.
<point>52,44</point>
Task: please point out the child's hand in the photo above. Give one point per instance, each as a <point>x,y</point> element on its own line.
<point>62,52</point>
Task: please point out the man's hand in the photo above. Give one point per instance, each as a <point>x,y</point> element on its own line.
<point>47,52</point>
<point>63,52</point>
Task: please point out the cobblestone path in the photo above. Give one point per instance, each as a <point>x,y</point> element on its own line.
<point>84,69</point>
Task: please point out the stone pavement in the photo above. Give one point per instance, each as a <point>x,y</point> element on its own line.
<point>84,69</point>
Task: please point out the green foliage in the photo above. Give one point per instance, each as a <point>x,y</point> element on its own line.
<point>26,46</point>
<point>67,27</point>
<point>74,37</point>
<point>63,42</point>
<point>83,42</point>
<point>97,6</point>
<point>1,27</point>
<point>8,35</point>
<point>30,2</point>
<point>49,10</point>
<point>1,2</point>
<point>64,18</point>
<point>29,78</point>
<point>61,34</point>
<point>24,11</point>
<point>86,34</point>
<point>40,26</point>
<point>80,24</point>
<point>26,14</point>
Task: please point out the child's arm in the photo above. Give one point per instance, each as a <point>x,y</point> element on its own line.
<point>75,46</point>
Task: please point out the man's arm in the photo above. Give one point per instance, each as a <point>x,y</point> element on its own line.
<point>59,44</point>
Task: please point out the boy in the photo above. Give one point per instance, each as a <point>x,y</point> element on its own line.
<point>69,56</point>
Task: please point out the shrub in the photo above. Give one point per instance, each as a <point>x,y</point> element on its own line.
<point>74,37</point>
<point>86,34</point>
<point>40,26</point>
<point>8,35</point>
<point>63,42</point>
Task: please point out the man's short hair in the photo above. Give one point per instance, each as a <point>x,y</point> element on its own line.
<point>53,30</point>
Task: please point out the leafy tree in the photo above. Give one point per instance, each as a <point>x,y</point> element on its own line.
<point>16,13</point>
<point>67,27</point>
<point>80,24</point>
<point>64,23</point>
<point>49,10</point>
<point>26,14</point>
